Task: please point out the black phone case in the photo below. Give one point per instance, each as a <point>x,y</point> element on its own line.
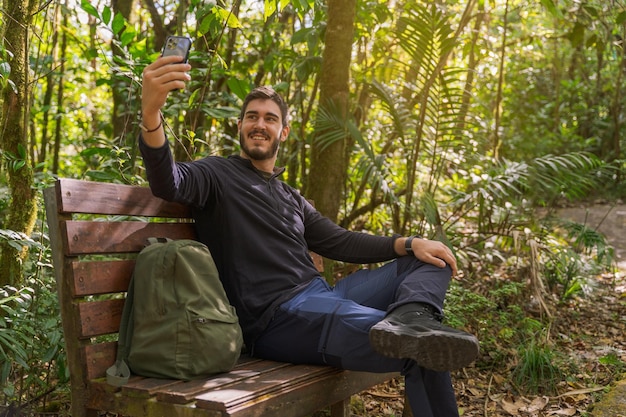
<point>177,45</point>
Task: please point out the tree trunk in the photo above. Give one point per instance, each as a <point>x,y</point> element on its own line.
<point>497,106</point>
<point>328,166</point>
<point>58,130</point>
<point>14,138</point>
<point>616,112</point>
<point>49,92</point>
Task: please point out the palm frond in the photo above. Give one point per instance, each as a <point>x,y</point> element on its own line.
<point>571,175</point>
<point>395,106</point>
<point>425,34</point>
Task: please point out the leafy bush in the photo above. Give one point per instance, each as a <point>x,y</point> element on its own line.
<point>31,339</point>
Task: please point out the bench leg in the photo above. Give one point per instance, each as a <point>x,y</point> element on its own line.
<point>340,409</point>
<point>406,411</point>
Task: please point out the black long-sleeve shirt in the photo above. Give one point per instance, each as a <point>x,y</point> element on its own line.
<point>259,230</point>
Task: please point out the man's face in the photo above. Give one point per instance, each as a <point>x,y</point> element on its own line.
<point>261,130</point>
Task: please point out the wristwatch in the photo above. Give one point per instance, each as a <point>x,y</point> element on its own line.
<point>407,244</point>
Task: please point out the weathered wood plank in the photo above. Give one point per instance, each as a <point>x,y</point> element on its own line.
<point>87,237</point>
<point>101,277</point>
<point>245,369</point>
<point>304,398</point>
<point>114,199</point>
<point>98,358</point>
<point>246,391</point>
<point>148,387</point>
<point>100,317</point>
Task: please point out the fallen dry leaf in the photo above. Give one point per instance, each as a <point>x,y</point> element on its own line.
<point>563,412</point>
<point>536,405</point>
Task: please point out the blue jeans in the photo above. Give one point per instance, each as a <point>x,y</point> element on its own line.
<point>330,326</point>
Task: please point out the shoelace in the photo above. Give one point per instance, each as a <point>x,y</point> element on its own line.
<point>429,312</point>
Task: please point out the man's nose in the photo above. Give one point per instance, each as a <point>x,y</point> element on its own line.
<point>260,123</point>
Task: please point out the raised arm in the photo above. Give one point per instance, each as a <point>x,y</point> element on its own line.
<point>159,78</point>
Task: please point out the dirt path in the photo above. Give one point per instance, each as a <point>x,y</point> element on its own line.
<point>608,219</point>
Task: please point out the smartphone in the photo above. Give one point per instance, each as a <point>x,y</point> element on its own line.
<point>177,45</point>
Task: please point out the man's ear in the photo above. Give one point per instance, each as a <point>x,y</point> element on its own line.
<point>285,133</point>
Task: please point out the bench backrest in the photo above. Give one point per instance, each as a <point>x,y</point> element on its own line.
<point>96,229</point>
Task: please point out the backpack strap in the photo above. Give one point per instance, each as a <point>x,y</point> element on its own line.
<point>153,240</point>
<point>119,373</point>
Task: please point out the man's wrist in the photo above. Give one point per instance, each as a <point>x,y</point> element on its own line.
<point>408,242</point>
<point>150,121</point>
<point>148,130</point>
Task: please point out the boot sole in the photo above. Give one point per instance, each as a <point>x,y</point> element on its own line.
<point>436,350</point>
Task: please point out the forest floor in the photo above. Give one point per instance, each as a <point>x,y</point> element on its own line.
<point>589,329</point>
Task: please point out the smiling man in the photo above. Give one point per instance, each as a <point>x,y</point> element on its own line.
<point>261,131</point>
<point>260,232</point>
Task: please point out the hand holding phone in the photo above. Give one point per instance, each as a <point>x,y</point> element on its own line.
<point>177,45</point>
<point>159,78</point>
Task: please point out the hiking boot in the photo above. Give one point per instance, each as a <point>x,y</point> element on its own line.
<point>415,331</point>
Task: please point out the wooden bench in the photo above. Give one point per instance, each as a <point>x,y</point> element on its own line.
<point>95,231</point>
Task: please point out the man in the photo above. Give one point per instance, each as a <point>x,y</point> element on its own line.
<point>260,231</point>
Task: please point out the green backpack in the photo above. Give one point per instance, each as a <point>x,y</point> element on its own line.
<point>177,321</point>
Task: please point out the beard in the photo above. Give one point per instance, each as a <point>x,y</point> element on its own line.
<point>259,154</point>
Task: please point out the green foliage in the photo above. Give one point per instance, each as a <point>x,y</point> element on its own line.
<point>32,359</point>
<point>31,343</point>
<point>562,92</point>
<point>12,341</point>
<point>507,334</point>
<point>18,240</point>
<point>537,372</point>
<point>5,69</point>
<point>496,318</point>
<point>15,162</point>
<point>563,268</point>
<point>612,360</point>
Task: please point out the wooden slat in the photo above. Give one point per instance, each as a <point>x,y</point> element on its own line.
<point>308,395</point>
<point>99,357</point>
<point>251,390</point>
<point>245,369</point>
<point>100,317</point>
<point>148,387</point>
<point>76,196</point>
<point>318,260</point>
<point>101,398</point>
<point>101,277</point>
<point>85,237</point>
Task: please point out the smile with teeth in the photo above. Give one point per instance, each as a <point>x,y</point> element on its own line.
<point>258,136</point>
